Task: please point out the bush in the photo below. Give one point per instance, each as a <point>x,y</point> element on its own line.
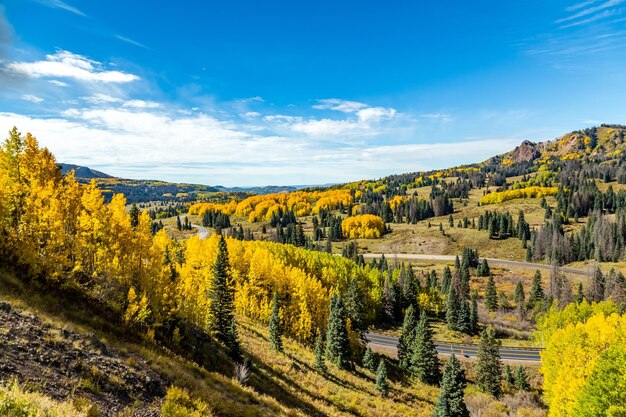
<point>178,403</point>
<point>15,402</point>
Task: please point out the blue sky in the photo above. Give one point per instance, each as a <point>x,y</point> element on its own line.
<point>284,92</point>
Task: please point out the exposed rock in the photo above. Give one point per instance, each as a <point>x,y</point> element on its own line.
<point>65,364</point>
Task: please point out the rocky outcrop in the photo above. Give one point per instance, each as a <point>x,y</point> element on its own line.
<point>64,364</point>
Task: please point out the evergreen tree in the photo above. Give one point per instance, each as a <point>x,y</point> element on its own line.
<point>424,364</point>
<point>536,292</point>
<point>179,224</point>
<point>452,312</point>
<point>474,314</point>
<point>519,296</point>
<point>406,338</point>
<point>581,294</point>
<point>450,402</point>
<point>275,328</point>
<point>521,380</point>
<point>508,376</point>
<point>489,365</point>
<point>134,216</point>
<point>355,306</point>
<point>491,295</point>
<point>483,269</point>
<point>409,288</point>
<point>370,359</point>
<point>446,280</point>
<point>232,342</point>
<point>221,294</point>
<point>463,320</point>
<point>381,378</point>
<point>319,364</point>
<point>337,343</point>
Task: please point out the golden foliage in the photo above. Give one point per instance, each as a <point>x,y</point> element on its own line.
<point>575,343</point>
<point>366,226</point>
<point>261,207</point>
<point>528,192</point>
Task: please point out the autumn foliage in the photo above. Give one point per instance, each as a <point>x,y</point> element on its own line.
<point>583,362</point>
<point>260,208</point>
<point>528,192</point>
<point>363,226</point>
<point>62,231</point>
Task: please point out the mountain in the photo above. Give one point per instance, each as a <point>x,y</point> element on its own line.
<point>82,172</point>
<point>602,141</point>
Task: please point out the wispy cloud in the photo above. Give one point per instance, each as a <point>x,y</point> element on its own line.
<point>131,41</point>
<point>58,83</point>
<point>345,106</point>
<point>58,4</point>
<point>65,64</point>
<point>590,10</point>
<point>599,16</point>
<point>32,98</point>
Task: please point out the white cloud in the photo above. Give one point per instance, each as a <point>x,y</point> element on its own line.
<point>147,143</point>
<point>32,98</point>
<point>58,4</point>
<point>345,106</point>
<point>256,98</point>
<point>65,64</point>
<point>590,10</point>
<point>250,114</point>
<point>100,98</point>
<point>141,104</point>
<point>58,83</point>
<point>131,41</point>
<point>444,117</point>
<point>374,114</point>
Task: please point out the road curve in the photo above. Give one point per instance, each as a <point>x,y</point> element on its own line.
<point>203,232</point>
<point>508,354</point>
<point>492,261</point>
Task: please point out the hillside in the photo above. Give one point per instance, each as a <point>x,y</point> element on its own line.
<point>106,297</point>
<point>82,172</point>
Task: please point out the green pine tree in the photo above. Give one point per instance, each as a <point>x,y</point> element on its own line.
<point>450,402</point>
<point>337,343</point>
<point>370,359</point>
<point>232,342</point>
<point>275,328</point>
<point>452,308</point>
<point>463,320</point>
<point>536,292</point>
<point>581,294</point>
<point>489,365</point>
<point>134,216</point>
<point>491,295</point>
<point>406,338</point>
<point>474,314</point>
<point>446,280</point>
<point>354,302</point>
<point>221,294</point>
<point>521,380</point>
<point>424,364</point>
<point>382,386</point>
<point>319,364</point>
<point>508,376</point>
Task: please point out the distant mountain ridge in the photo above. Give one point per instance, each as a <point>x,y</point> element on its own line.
<point>603,140</point>
<point>82,172</point>
<point>146,190</point>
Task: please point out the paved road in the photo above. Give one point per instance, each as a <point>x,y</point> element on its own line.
<point>492,261</point>
<point>509,354</point>
<point>203,232</point>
